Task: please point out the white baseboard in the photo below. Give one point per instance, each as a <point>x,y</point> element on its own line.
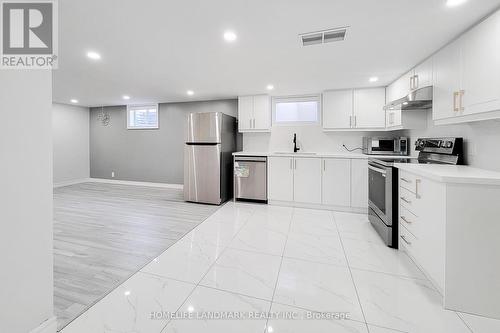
<point>129,182</point>
<point>72,182</point>
<point>48,326</point>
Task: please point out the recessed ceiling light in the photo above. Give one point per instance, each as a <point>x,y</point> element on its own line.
<point>74,101</point>
<point>190,92</point>
<point>93,55</point>
<point>230,36</point>
<point>270,87</point>
<point>126,97</point>
<point>127,293</point>
<point>373,79</point>
<point>454,3</point>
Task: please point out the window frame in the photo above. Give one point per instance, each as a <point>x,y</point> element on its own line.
<point>132,107</point>
<point>299,98</point>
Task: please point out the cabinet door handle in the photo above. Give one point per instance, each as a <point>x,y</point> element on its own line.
<point>405,240</point>
<point>295,161</point>
<point>455,96</point>
<point>406,200</point>
<point>324,165</point>
<point>406,180</point>
<point>404,219</point>
<point>461,99</point>
<point>350,121</point>
<point>291,161</point>
<point>416,82</point>
<point>411,82</point>
<point>417,181</point>
<point>355,121</point>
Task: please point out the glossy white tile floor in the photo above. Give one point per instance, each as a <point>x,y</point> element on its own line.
<point>281,265</point>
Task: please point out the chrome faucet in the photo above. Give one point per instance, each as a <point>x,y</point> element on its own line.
<point>295,148</point>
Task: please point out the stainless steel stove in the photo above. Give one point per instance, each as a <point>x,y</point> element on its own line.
<point>383,182</point>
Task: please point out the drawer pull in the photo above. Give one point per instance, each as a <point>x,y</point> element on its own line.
<point>406,200</point>
<point>404,238</point>
<point>406,180</point>
<point>404,219</point>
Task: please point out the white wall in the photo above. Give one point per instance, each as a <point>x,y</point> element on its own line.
<point>310,138</point>
<point>26,267</point>
<point>70,127</point>
<point>482,140</point>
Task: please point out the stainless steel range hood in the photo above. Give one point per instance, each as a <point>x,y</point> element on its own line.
<point>418,99</point>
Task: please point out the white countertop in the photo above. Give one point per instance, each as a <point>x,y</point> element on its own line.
<point>452,173</point>
<point>318,154</point>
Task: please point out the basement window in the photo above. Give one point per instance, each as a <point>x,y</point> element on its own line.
<point>298,110</point>
<point>142,116</point>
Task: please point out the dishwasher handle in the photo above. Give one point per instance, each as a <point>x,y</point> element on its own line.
<point>250,159</point>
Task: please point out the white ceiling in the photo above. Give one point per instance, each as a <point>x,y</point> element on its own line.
<point>156,50</point>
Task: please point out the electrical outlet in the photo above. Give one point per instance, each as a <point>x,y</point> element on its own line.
<point>112,174</point>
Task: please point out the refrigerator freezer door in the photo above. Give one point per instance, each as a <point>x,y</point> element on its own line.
<point>204,127</point>
<point>202,173</point>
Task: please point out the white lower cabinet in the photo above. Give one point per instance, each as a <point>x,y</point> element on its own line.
<point>319,182</point>
<point>359,183</point>
<point>280,178</point>
<point>336,183</point>
<point>307,180</point>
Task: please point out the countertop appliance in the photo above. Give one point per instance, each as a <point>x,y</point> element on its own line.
<point>385,146</point>
<point>250,178</point>
<point>210,142</point>
<point>383,187</point>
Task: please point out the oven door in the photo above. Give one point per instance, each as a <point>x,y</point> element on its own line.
<point>380,191</point>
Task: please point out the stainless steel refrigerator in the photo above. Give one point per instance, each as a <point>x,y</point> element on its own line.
<point>210,142</point>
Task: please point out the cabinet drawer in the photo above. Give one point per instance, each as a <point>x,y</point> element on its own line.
<point>408,200</point>
<point>410,221</point>
<point>408,242</point>
<point>408,181</point>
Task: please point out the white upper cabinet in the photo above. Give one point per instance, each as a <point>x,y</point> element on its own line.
<point>337,109</point>
<point>254,113</point>
<point>466,79</point>
<point>481,67</point>
<point>369,108</point>
<point>262,112</point>
<point>399,88</point>
<point>423,74</point>
<point>245,113</point>
<point>447,81</point>
<point>420,76</point>
<point>307,180</point>
<point>356,109</point>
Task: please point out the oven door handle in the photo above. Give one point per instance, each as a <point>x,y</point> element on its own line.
<point>382,171</point>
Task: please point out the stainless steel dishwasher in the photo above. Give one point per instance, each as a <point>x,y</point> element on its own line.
<point>250,178</point>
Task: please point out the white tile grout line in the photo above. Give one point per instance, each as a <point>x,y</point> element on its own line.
<point>350,272</point>
<point>279,269</point>
<point>209,268</point>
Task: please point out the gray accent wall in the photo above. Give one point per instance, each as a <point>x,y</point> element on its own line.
<point>145,155</point>
<point>70,130</point>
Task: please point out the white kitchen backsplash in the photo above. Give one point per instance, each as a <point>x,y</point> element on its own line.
<point>482,140</point>
<point>310,138</point>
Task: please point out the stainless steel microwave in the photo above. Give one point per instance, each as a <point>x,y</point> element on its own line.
<point>385,146</point>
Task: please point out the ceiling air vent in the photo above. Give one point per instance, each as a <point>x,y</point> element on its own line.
<point>322,37</point>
